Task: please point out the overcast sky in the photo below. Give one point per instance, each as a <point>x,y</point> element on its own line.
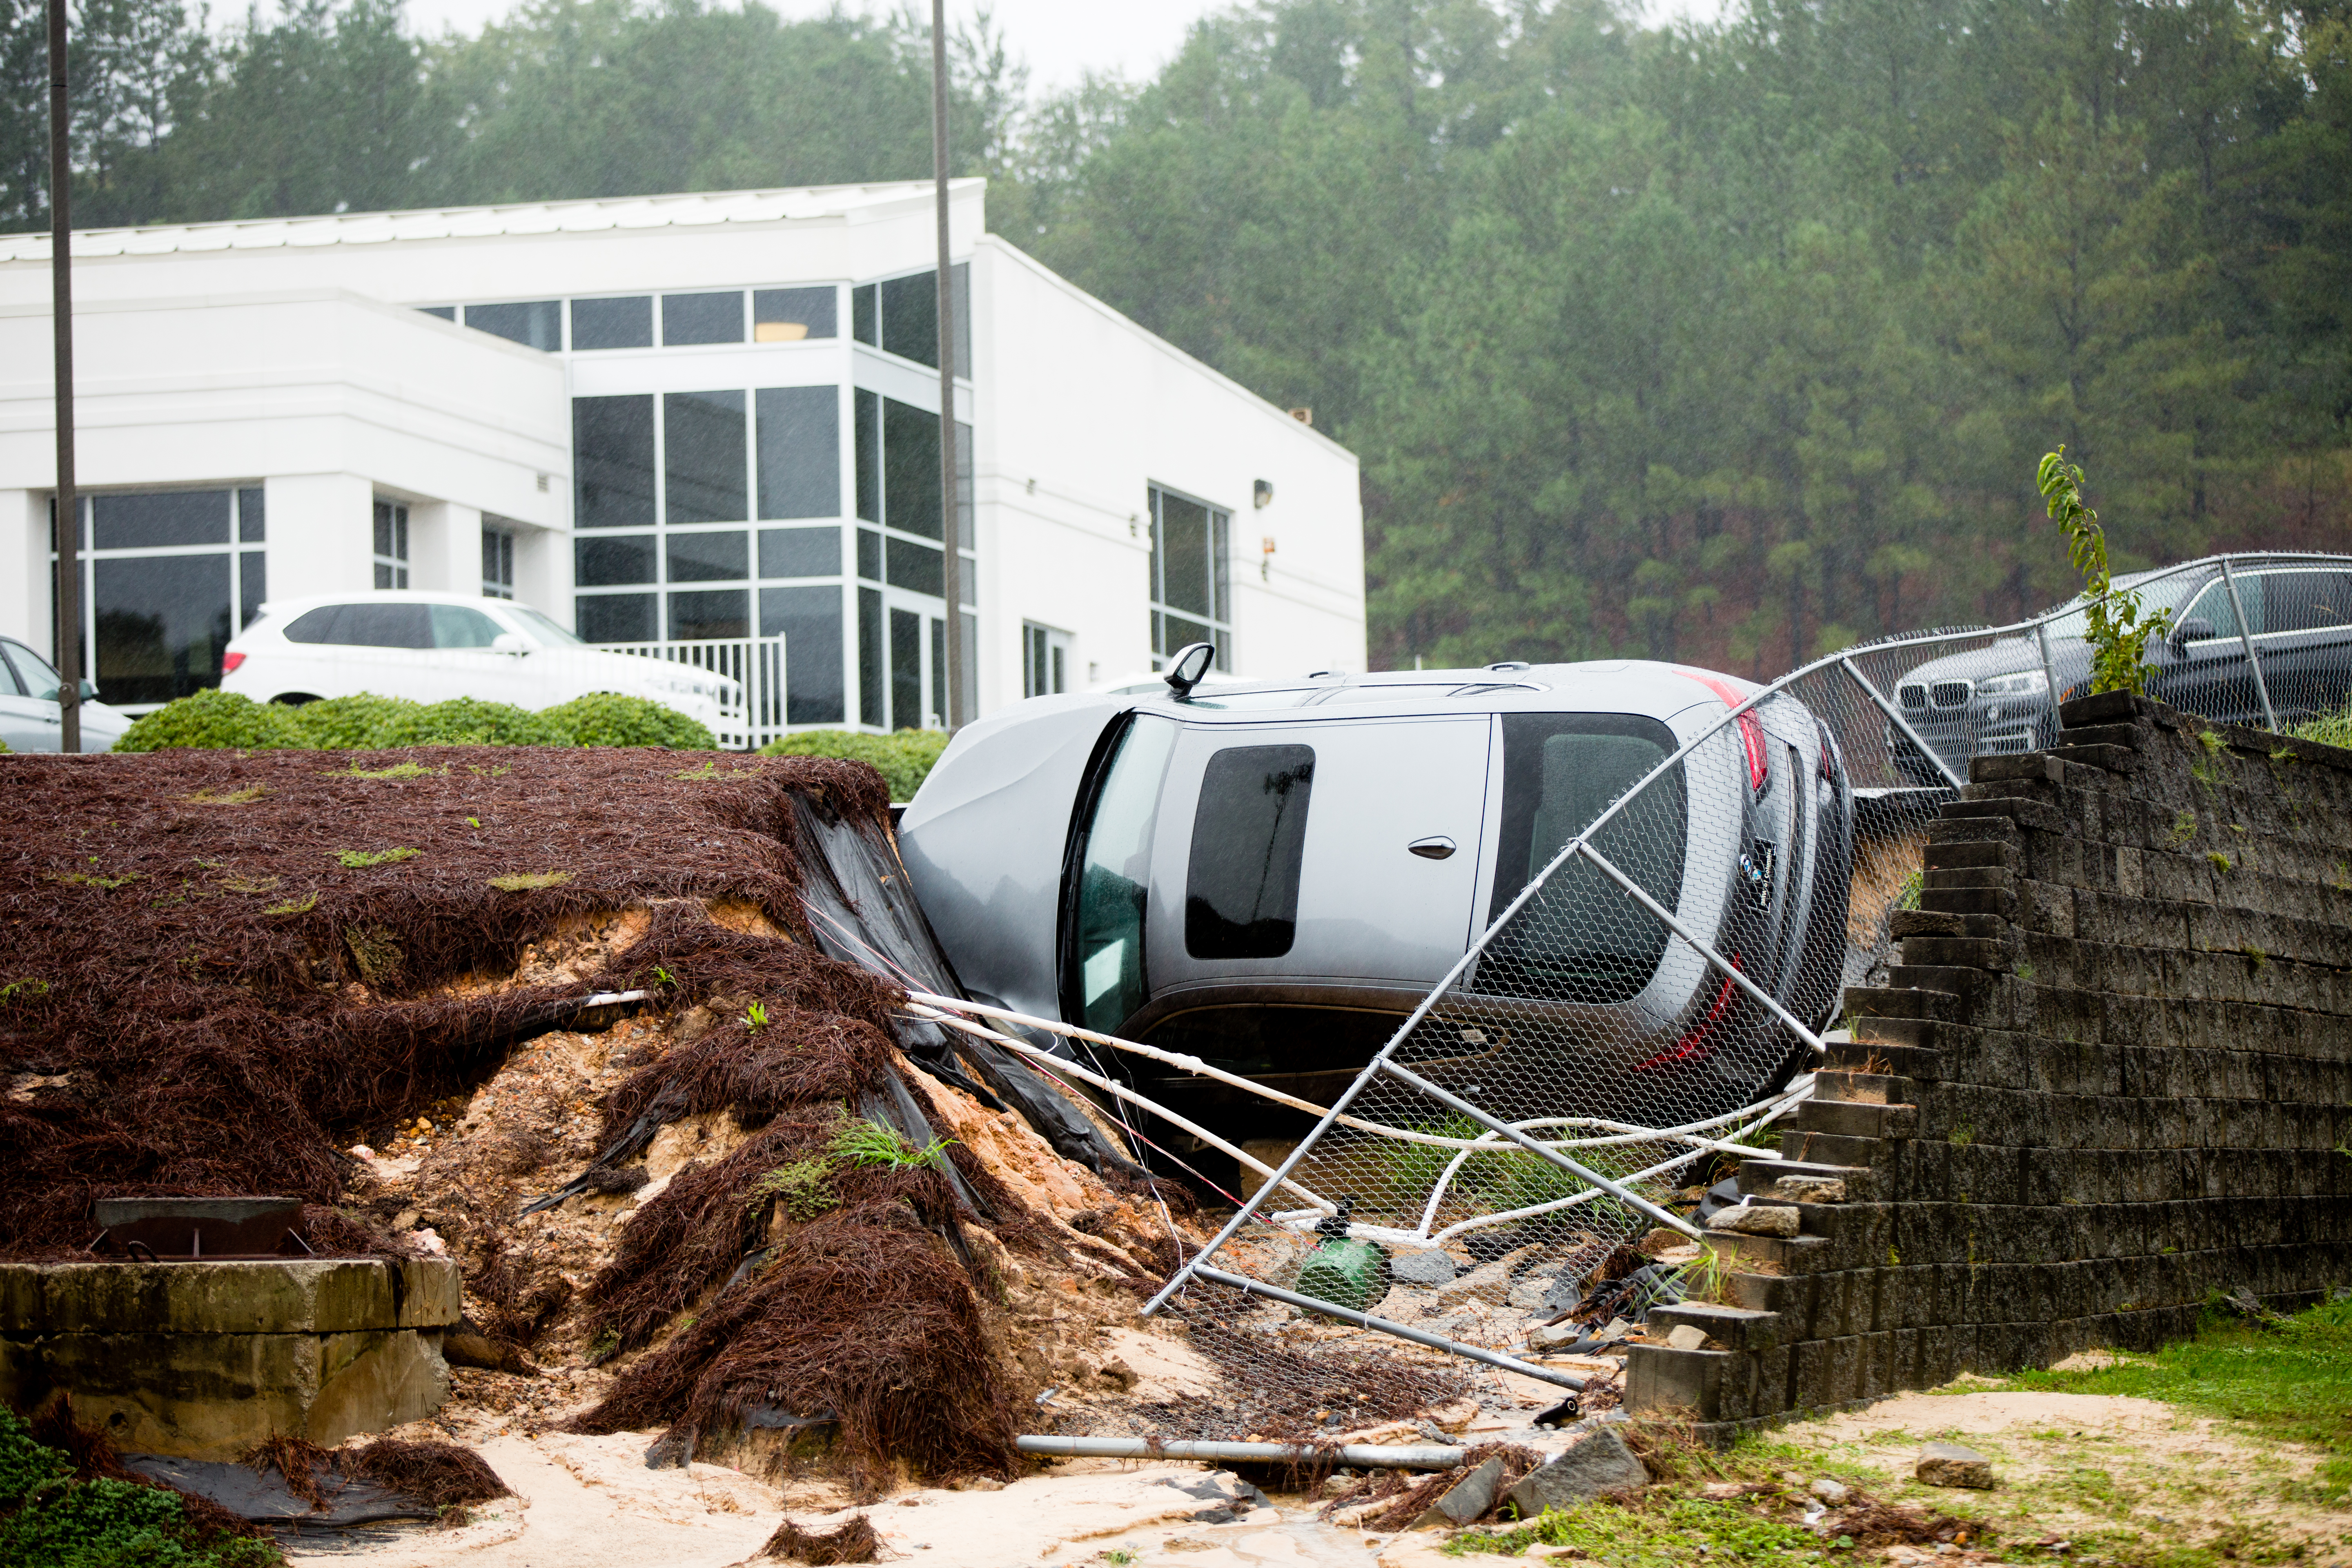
<point>1060,39</point>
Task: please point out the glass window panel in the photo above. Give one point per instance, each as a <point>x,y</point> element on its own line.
<point>723,614</point>
<point>1184,555</point>
<point>915,567</point>
<point>703,439</point>
<point>940,668</point>
<point>613,461</point>
<point>1249,840</point>
<point>868,440</point>
<point>162,623</point>
<point>1179,633</point>
<point>800,551</point>
<point>789,315</point>
<point>869,555</point>
<point>614,617</point>
<point>1218,530</point>
<point>910,469</point>
<point>709,557</point>
<point>624,323</point>
<point>12,684</point>
<point>809,620</point>
<point>252,585</point>
<point>455,625</point>
<point>869,658</point>
<point>2213,608</point>
<point>905,670</point>
<point>385,625</point>
<point>688,319</point>
<point>158,518</point>
<point>39,680</point>
<point>446,312</point>
<point>537,324</point>
<point>865,314</point>
<point>613,562</point>
<point>250,515</point>
<point>910,318</point>
<point>800,451</point>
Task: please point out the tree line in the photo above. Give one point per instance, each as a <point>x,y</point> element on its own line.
<point>1730,343</point>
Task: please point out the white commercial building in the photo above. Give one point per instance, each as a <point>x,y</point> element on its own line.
<point>708,420</point>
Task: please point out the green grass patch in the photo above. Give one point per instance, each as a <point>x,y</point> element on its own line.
<point>862,1143</point>
<point>1681,1531</point>
<point>521,881</point>
<point>301,906</point>
<point>2288,1383</point>
<point>360,859</point>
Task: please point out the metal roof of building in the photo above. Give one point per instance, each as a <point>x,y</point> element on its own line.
<point>691,211</point>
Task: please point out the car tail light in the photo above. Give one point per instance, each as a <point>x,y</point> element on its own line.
<point>1752,731</point>
<point>1694,1044</point>
<point>229,662</point>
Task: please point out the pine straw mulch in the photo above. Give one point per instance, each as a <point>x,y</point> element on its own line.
<point>855,1542</point>
<point>202,997</point>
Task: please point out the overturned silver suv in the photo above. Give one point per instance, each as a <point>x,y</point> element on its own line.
<point>1271,876</point>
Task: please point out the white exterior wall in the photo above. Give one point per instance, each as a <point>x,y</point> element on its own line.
<point>288,353</point>
<point>1070,440</point>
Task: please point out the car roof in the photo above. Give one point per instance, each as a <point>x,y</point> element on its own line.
<point>1623,686</point>
<point>377,596</point>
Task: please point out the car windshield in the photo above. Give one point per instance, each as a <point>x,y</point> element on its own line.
<point>1113,879</point>
<point>1578,939</point>
<point>549,634</point>
<point>2168,592</point>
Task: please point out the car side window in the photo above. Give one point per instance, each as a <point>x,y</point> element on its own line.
<point>2212,607</point>
<point>456,626</point>
<point>2307,600</point>
<point>1249,841</point>
<point>385,625</point>
<point>12,684</point>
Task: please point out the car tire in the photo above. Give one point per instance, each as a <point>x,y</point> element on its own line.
<point>295,698</point>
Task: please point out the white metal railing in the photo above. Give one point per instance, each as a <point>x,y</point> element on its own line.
<point>752,713</point>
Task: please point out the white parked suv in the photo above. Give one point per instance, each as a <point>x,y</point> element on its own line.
<point>434,646</point>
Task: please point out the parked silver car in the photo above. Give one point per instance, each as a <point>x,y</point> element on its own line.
<point>1271,876</point>
<point>2000,699</point>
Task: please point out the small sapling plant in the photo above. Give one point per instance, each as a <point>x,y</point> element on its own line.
<point>2117,635</point>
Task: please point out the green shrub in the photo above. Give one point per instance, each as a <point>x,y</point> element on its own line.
<point>354,723</point>
<point>60,1523</point>
<point>467,722</point>
<point>2328,728</point>
<point>213,718</point>
<point>904,760</point>
<point>371,723</point>
<point>608,719</point>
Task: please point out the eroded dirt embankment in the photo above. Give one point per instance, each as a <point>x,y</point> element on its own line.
<point>762,1208</point>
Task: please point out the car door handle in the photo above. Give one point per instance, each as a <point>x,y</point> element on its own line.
<point>1436,848</point>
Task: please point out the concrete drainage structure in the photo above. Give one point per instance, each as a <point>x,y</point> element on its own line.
<point>204,1359</point>
<point>2111,1077</point>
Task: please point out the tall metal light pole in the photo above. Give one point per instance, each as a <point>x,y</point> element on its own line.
<point>68,518</point>
<point>953,585</point>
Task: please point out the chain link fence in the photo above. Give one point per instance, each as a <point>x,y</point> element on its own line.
<point>1525,1167</point>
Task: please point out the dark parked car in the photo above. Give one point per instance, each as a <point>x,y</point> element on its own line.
<point>1271,876</point>
<point>1998,698</point>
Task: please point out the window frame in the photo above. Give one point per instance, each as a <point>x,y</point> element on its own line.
<point>1220,545</point>
<point>247,548</point>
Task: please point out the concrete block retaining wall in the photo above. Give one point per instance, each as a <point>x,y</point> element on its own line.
<point>2110,1076</point>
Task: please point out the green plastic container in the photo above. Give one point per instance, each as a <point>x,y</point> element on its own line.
<point>1346,1273</point>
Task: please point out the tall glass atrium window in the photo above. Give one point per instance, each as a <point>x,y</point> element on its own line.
<point>1191,585</point>
<point>168,577</point>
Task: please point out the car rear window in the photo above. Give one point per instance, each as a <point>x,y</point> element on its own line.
<point>1580,939</point>
<point>1249,836</point>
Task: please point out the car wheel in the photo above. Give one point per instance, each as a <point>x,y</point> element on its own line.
<point>294,698</point>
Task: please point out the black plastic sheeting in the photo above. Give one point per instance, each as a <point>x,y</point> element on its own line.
<point>863,912</point>
<point>264,1498</point>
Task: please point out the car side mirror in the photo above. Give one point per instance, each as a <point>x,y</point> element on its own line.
<point>1187,668</point>
<point>2195,629</point>
<point>510,642</point>
<point>88,690</point>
